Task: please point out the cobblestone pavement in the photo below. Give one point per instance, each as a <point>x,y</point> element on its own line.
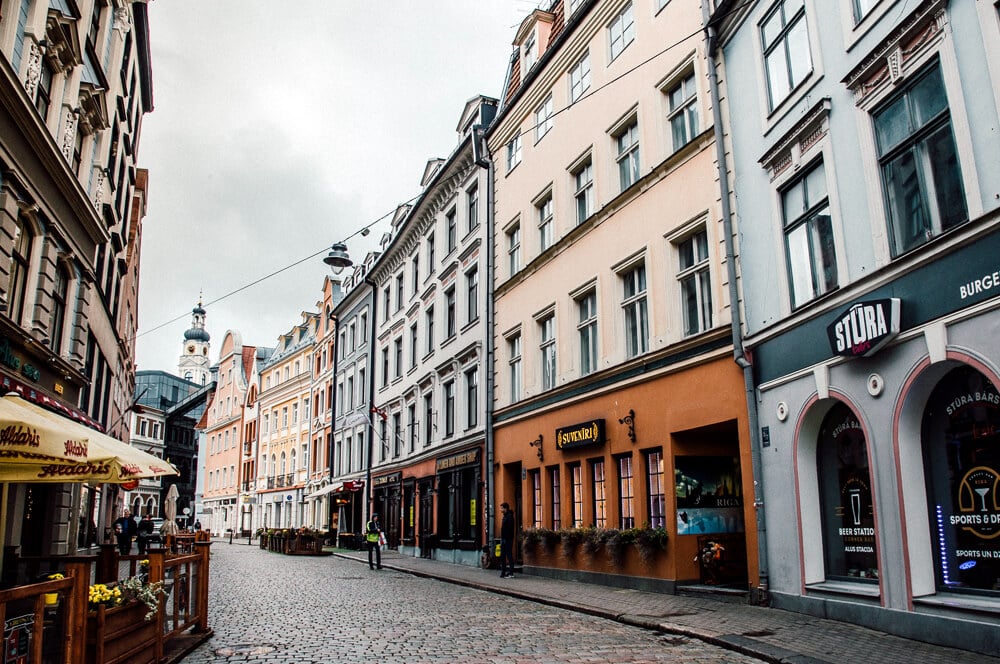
<point>275,609</point>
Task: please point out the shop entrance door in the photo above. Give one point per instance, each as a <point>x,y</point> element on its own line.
<point>426,524</point>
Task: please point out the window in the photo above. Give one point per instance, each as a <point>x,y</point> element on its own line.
<point>396,437</point>
<point>449,408</point>
<point>696,283</point>
<point>363,328</point>
<point>384,435</point>
<point>579,78</point>
<point>785,38</point>
<point>362,395</point>
<point>385,367</point>
<point>386,301</point>
<point>861,9</point>
<point>547,327</point>
<point>574,5</point>
<point>430,254</point>
<point>58,319</point>
<point>921,178</point>
<point>399,291</point>
<point>19,258</point>
<point>514,249</point>
<point>576,473</point>
<point>43,95</point>
<point>413,346</point>
<point>450,313</point>
<point>284,422</point>
<point>635,311</point>
<point>452,231</point>
<point>683,112</point>
<point>516,379</point>
<point>513,152</point>
<point>530,52</point>
<point>543,118</point>
<point>544,223</point>
<point>428,418</point>
<point>472,293</point>
<point>655,489</point>
<point>583,181</point>
<point>587,327</point>
<point>556,502</point>
<point>845,494</point>
<point>600,502</point>
<point>415,274</point>
<point>350,397</point>
<point>348,394</point>
<point>536,498</point>
<point>627,141</point>
<point>411,425</point>
<point>621,32</point>
<point>626,491</point>
<point>809,246</point>
<point>472,398</point>
<point>429,324</point>
<point>472,205</point>
<point>397,347</point>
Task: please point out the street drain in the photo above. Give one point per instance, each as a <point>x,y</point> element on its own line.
<point>674,640</point>
<point>760,632</point>
<point>244,649</point>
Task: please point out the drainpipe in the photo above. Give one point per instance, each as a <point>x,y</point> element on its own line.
<point>758,595</point>
<point>484,160</point>
<point>333,412</point>
<point>371,402</point>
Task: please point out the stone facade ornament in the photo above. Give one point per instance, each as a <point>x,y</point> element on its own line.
<point>99,189</point>
<point>69,135</point>
<point>34,70</point>
<point>123,21</point>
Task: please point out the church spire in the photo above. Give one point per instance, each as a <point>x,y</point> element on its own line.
<point>194,361</point>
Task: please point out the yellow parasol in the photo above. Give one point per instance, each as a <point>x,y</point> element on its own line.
<point>40,446</point>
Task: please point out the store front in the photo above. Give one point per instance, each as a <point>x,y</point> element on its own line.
<point>638,461</point>
<point>459,536</point>
<point>387,497</point>
<point>880,434</point>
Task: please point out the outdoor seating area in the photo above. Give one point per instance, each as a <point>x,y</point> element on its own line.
<point>104,608</point>
<point>299,542</point>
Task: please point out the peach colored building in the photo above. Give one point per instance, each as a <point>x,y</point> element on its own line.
<point>224,430</point>
<point>618,404</point>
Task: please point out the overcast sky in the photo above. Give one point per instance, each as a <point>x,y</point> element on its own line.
<point>280,128</point>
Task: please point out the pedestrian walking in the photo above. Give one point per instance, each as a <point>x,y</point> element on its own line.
<point>373,534</point>
<point>125,529</point>
<point>507,529</point>
<point>145,532</point>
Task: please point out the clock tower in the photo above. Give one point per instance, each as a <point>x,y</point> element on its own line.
<point>194,362</point>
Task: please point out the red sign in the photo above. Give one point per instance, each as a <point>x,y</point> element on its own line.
<point>131,484</point>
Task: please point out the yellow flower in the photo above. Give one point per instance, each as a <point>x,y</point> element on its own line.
<point>55,576</point>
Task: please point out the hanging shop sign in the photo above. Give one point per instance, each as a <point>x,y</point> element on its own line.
<point>580,435</point>
<point>864,327</point>
<point>709,495</point>
<point>386,480</point>
<point>456,460</point>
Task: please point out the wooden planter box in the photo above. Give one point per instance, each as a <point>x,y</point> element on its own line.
<point>121,635</point>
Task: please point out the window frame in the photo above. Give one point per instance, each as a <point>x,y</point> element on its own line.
<point>587,330</point>
<point>543,118</point>
<point>624,25</point>
<point>583,190</point>
<point>579,78</point>
<point>810,215</point>
<point>547,350</point>
<point>781,40</point>
<point>701,271</point>
<point>627,154</point>
<point>635,307</point>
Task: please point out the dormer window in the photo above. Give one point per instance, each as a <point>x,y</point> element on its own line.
<point>529,52</point>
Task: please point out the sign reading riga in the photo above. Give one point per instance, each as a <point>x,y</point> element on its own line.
<point>865,327</point>
<point>578,435</point>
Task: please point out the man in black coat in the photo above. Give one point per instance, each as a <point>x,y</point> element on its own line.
<point>507,533</point>
<point>125,529</point>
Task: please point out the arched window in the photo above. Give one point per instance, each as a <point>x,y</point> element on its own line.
<point>291,465</point>
<point>847,511</point>
<point>274,465</point>
<point>283,468</point>
<point>19,259</point>
<point>960,439</point>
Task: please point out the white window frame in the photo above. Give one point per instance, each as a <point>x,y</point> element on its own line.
<point>579,78</point>
<point>621,31</point>
<point>700,270</point>
<point>583,188</point>
<point>513,152</point>
<point>543,118</point>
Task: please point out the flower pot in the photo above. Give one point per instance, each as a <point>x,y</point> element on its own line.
<point>51,599</point>
<point>121,635</point>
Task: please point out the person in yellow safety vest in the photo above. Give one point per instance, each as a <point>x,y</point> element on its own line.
<point>373,531</point>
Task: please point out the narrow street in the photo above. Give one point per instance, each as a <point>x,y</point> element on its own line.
<point>311,610</point>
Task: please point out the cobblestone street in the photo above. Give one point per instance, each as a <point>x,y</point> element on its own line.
<point>304,610</point>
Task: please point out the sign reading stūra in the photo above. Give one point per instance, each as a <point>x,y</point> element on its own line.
<point>865,327</point>
<point>578,435</point>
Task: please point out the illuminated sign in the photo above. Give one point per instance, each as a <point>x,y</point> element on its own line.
<point>579,435</point>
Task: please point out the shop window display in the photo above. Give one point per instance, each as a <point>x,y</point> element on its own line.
<point>848,514</point>
<point>961,448</point>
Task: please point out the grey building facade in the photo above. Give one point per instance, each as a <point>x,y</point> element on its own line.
<point>863,138</point>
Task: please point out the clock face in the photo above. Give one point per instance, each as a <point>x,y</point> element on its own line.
<point>190,349</point>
